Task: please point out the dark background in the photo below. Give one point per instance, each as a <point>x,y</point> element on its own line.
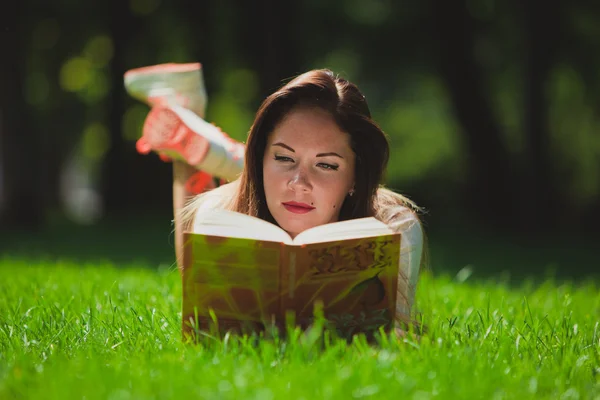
<point>491,107</point>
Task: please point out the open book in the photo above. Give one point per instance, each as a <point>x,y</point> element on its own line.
<point>250,273</point>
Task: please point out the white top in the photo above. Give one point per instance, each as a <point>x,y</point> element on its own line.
<point>404,221</point>
<point>411,249</point>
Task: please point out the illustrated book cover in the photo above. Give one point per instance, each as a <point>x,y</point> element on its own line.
<point>247,273</point>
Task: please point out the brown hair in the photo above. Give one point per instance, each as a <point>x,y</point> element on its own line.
<point>346,104</point>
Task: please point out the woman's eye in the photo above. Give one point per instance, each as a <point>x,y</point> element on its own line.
<point>283,159</point>
<point>332,167</point>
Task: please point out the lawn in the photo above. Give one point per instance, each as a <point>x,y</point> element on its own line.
<point>108,330</point>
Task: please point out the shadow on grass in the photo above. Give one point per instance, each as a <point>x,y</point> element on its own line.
<point>141,239</point>
<point>147,239</point>
<point>514,257</point>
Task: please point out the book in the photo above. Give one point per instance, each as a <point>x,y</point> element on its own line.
<point>242,273</point>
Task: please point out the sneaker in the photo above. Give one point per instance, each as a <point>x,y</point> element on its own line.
<point>180,134</point>
<point>169,84</point>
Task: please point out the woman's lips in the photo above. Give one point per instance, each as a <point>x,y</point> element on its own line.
<point>297,208</point>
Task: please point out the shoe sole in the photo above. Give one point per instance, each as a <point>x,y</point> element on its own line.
<point>165,84</point>
<point>162,68</point>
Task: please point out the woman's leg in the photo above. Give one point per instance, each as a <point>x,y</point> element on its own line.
<point>182,192</point>
<point>176,131</point>
<point>197,157</point>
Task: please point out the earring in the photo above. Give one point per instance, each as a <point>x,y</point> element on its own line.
<point>351,193</point>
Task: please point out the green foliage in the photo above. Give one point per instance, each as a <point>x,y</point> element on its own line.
<point>96,331</point>
<point>423,133</point>
<point>74,55</point>
<point>575,142</point>
<point>231,108</point>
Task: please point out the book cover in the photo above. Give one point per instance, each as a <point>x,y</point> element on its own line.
<point>246,284</point>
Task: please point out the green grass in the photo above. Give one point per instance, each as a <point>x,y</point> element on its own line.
<point>97,331</point>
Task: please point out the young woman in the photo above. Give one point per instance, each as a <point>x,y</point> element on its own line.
<point>313,156</point>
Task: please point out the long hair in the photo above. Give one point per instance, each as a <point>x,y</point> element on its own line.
<point>319,89</point>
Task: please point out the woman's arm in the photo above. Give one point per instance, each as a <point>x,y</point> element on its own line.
<point>401,214</point>
<point>405,221</point>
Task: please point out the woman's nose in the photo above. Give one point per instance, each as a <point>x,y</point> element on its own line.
<point>300,182</point>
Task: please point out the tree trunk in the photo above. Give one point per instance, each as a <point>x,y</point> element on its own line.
<point>490,180</point>
<point>542,32</point>
<point>20,188</point>
<point>116,176</point>
<point>268,40</point>
<point>200,16</point>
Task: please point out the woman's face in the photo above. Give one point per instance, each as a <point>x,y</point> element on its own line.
<point>308,170</point>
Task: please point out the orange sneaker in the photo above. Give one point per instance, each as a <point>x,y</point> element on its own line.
<point>178,133</point>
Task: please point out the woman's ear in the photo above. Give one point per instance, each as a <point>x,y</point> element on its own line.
<point>351,191</point>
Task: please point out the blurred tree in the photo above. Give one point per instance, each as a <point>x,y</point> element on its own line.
<point>20,157</point>
<point>521,79</point>
<point>491,178</point>
<point>543,28</point>
<point>117,181</point>
<point>268,41</point>
<point>200,16</point>
<point>575,108</point>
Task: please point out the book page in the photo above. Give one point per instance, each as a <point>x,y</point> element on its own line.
<point>232,224</point>
<point>236,279</point>
<point>356,281</point>
<point>353,228</point>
